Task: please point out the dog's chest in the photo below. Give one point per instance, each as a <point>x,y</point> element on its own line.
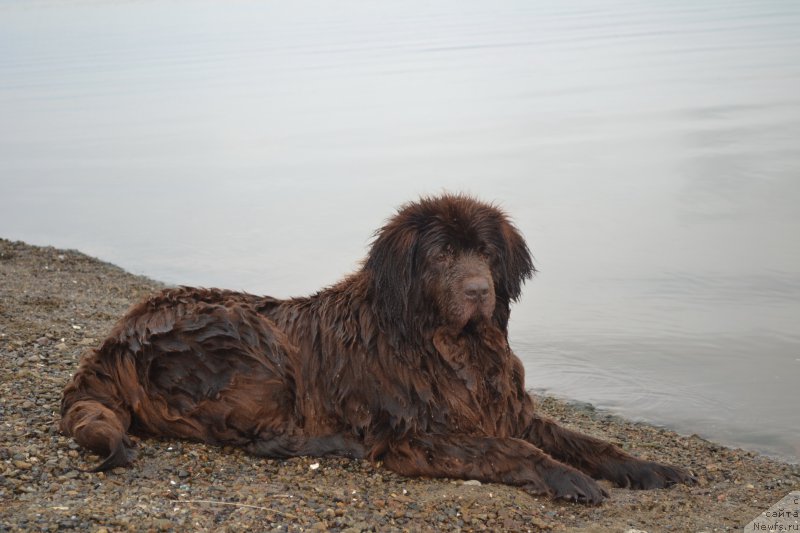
<point>474,387</point>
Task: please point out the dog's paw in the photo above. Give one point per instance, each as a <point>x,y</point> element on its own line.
<point>637,474</point>
<point>566,483</point>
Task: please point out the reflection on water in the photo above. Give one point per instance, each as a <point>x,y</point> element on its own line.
<point>647,150</point>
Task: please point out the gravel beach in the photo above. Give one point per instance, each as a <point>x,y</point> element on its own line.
<point>54,304</point>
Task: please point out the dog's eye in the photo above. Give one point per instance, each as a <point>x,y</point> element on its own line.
<point>445,254</point>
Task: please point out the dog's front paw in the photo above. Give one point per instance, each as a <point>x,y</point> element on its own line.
<point>638,474</point>
<point>566,483</point>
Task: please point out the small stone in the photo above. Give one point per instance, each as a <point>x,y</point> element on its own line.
<point>72,474</point>
<point>23,465</point>
<point>162,524</point>
<point>472,482</point>
<point>61,346</point>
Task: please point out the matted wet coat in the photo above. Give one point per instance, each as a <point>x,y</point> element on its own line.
<point>405,361</point>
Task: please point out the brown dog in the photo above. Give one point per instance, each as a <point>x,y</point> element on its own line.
<point>405,361</point>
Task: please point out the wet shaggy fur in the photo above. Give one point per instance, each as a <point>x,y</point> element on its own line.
<point>405,361</point>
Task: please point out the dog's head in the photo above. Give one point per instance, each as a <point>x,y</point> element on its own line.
<point>448,261</point>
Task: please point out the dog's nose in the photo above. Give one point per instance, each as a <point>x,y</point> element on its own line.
<point>477,288</point>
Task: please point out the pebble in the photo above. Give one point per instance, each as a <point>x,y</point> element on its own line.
<point>162,524</point>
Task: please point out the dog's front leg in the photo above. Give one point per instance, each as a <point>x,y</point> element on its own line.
<point>509,461</point>
<point>601,459</point>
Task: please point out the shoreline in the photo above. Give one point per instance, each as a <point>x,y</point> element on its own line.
<point>55,303</point>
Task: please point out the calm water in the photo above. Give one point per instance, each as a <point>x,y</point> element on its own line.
<point>649,151</point>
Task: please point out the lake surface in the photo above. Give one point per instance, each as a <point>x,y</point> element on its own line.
<point>649,151</point>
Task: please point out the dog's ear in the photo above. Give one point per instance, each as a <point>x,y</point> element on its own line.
<point>516,264</point>
<point>391,267</point>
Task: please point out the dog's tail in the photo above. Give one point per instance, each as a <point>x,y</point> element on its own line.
<point>95,412</point>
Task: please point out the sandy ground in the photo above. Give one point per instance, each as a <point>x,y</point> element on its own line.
<point>56,303</point>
